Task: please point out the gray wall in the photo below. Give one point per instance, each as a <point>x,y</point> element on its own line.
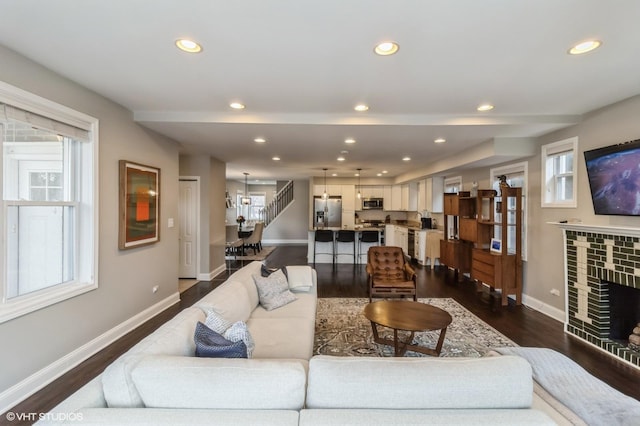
<point>607,126</point>
<point>217,237</point>
<point>125,277</point>
<point>544,269</point>
<point>291,226</point>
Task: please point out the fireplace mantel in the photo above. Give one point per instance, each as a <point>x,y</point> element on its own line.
<point>595,257</point>
<point>599,229</point>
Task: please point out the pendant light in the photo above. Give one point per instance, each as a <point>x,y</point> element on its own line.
<point>325,195</point>
<point>359,186</point>
<point>246,200</point>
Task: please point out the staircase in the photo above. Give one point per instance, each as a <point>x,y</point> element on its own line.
<point>283,198</point>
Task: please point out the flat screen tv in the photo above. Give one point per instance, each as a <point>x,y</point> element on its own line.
<point>614,178</point>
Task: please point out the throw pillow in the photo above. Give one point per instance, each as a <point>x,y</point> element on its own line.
<point>215,321</point>
<point>239,332</point>
<point>213,345</point>
<point>273,290</point>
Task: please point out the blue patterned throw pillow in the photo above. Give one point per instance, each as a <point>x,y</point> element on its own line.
<point>210,344</point>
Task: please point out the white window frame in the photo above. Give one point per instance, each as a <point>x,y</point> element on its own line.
<point>522,167</point>
<point>549,152</point>
<point>258,215</point>
<point>87,224</point>
<point>453,181</point>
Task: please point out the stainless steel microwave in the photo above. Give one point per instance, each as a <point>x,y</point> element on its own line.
<point>372,204</point>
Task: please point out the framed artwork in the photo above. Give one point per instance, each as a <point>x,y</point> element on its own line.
<point>139,213</point>
<point>496,245</point>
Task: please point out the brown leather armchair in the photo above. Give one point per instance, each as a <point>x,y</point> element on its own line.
<point>389,273</point>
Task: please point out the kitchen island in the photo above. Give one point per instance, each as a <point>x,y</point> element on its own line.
<point>345,250</point>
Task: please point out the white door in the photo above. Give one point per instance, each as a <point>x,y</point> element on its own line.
<point>38,233</point>
<point>188,225</point>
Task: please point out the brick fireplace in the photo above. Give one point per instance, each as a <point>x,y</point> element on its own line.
<point>597,257</point>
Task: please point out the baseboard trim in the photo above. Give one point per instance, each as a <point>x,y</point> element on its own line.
<point>548,310</point>
<point>211,275</point>
<point>283,242</point>
<point>27,387</point>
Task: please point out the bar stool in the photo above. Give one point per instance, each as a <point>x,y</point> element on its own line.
<point>345,236</point>
<point>323,236</point>
<point>367,237</point>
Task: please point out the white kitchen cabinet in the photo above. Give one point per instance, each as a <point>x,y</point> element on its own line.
<point>401,236</point>
<point>396,198</point>
<point>430,194</point>
<point>387,195</point>
<point>389,235</point>
<point>409,197</point>
<point>348,193</point>
<point>348,205</point>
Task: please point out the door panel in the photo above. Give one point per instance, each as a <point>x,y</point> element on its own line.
<point>188,228</point>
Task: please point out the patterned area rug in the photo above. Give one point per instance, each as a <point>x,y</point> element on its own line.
<point>342,330</point>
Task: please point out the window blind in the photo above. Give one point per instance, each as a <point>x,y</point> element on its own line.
<point>9,112</point>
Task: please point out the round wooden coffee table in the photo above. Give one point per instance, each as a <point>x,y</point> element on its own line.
<point>407,316</point>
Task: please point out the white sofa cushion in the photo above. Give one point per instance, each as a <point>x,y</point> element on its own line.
<point>282,337</point>
<point>231,300</point>
<point>181,382</point>
<point>304,307</point>
<point>174,338</point>
<point>367,417</point>
<point>171,417</point>
<point>426,383</point>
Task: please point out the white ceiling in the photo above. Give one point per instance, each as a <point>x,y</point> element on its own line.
<point>301,66</point>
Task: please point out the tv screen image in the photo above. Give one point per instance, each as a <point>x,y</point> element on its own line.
<point>614,178</point>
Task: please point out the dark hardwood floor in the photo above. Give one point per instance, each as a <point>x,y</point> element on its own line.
<point>523,325</point>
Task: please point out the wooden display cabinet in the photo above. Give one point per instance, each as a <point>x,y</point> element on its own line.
<point>454,252</point>
<point>502,270</point>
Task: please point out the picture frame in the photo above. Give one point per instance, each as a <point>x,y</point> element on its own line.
<point>496,245</point>
<point>139,205</point>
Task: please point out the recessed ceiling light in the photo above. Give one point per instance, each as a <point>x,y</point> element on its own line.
<point>386,48</point>
<point>406,158</point>
<point>344,152</point>
<point>276,158</point>
<point>340,158</point>
<point>385,172</point>
<point>356,174</point>
<point>260,140</point>
<point>584,47</point>
<point>350,141</point>
<point>236,105</point>
<point>379,174</point>
<point>334,174</point>
<point>440,140</point>
<point>361,107</point>
<point>189,46</point>
<point>485,107</point>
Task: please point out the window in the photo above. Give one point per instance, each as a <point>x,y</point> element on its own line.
<point>258,200</point>
<point>49,158</point>
<point>559,179</point>
<point>517,175</point>
<point>252,211</point>
<point>453,184</point>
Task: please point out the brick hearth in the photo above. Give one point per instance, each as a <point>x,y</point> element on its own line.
<point>596,256</point>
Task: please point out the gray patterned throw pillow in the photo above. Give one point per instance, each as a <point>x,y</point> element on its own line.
<point>239,332</point>
<point>273,290</point>
<point>215,321</point>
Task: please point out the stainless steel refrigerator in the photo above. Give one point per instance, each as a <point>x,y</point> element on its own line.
<point>327,213</point>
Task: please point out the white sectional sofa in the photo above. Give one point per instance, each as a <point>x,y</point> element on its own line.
<point>159,381</point>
